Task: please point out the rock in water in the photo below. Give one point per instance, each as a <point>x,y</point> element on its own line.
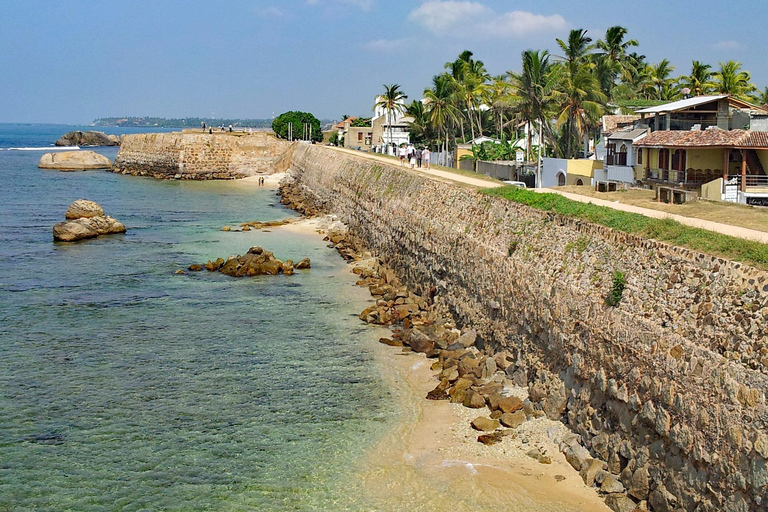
<point>86,220</point>
<point>256,262</point>
<point>89,138</point>
<point>74,161</point>
<point>82,209</point>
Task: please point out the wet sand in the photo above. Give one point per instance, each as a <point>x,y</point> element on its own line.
<point>432,460</point>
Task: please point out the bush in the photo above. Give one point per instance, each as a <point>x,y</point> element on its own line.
<point>617,289</point>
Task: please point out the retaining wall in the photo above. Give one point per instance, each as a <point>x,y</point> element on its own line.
<point>668,388</point>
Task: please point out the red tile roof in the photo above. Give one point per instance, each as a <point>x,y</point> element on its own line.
<point>705,138</point>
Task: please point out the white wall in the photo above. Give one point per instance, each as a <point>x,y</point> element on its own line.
<point>620,173</point>
<point>549,169</point>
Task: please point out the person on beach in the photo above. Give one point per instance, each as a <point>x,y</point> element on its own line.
<point>402,151</point>
<point>418,157</point>
<point>203,125</point>
<point>230,128</point>
<point>210,131</point>
<point>425,157</point>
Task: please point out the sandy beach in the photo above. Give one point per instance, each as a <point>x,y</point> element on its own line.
<point>271,181</point>
<point>432,460</point>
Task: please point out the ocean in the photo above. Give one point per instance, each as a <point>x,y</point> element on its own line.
<point>126,386</point>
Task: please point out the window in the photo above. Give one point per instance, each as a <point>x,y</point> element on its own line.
<point>663,158</point>
<point>359,136</point>
<point>639,156</point>
<point>678,160</point>
<point>622,156</point>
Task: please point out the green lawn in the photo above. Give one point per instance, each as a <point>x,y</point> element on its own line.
<point>667,230</point>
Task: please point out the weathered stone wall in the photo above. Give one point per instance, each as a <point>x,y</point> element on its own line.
<point>200,156</point>
<point>668,388</point>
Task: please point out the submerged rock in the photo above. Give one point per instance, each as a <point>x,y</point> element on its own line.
<point>74,161</point>
<point>86,220</point>
<point>256,262</point>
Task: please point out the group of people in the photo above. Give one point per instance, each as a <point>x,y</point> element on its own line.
<point>415,157</point>
<point>210,128</point>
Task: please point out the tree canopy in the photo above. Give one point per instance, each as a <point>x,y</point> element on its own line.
<point>299,121</point>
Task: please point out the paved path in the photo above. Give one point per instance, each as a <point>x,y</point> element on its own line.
<point>726,229</point>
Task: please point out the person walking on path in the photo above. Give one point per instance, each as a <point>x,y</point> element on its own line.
<point>402,151</point>
<point>418,157</point>
<point>425,156</point>
<point>412,160</point>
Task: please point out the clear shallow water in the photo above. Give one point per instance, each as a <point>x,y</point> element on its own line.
<point>126,386</point>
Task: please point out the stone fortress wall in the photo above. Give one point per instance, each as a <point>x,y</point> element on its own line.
<point>200,156</point>
<point>668,389</point>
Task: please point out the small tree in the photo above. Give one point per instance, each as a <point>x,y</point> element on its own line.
<point>298,120</point>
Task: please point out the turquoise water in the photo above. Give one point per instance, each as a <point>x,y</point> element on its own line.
<point>124,386</point>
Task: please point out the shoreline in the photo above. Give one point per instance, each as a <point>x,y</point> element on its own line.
<point>431,457</point>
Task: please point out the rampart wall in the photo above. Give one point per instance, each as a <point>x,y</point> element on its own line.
<point>200,156</point>
<point>668,388</point>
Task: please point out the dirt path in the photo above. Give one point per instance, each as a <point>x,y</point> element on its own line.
<point>736,231</point>
<point>725,229</point>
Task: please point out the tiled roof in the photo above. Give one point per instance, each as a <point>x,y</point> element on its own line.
<point>706,138</point>
<point>614,123</point>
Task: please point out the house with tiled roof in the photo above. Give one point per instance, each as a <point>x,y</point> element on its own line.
<point>717,163</point>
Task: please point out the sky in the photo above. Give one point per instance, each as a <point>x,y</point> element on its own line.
<point>73,61</point>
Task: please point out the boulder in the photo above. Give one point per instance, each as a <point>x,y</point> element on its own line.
<point>512,419</point>
<point>85,222</point>
<point>74,161</point>
<point>88,138</point>
<point>82,209</point>
<point>256,262</point>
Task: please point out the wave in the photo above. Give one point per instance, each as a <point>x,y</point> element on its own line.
<point>46,148</point>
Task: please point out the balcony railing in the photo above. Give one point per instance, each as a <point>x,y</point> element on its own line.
<point>616,159</point>
<point>687,176</point>
<point>757,181</point>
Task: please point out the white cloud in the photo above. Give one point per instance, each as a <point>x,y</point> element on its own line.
<point>388,45</point>
<point>362,4</point>
<point>473,18</point>
<point>728,46</point>
<point>438,16</point>
<point>269,12</point>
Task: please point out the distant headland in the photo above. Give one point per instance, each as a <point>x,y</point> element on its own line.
<point>186,122</point>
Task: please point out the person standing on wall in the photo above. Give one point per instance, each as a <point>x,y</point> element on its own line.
<point>418,157</point>
<point>425,155</point>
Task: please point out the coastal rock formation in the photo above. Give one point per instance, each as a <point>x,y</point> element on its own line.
<point>74,161</point>
<point>89,138</point>
<point>256,262</point>
<point>202,156</point>
<point>86,220</point>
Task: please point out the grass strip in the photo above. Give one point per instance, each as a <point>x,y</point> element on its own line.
<point>667,230</point>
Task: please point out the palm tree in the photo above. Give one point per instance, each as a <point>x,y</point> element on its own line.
<point>420,126</point>
<point>613,61</point>
<point>440,107</point>
<point>532,92</point>
<point>614,47</point>
<point>664,86</point>
<point>580,94</point>
<point>497,96</point>
<point>468,78</point>
<point>730,79</point>
<point>392,101</point>
<point>700,79</point>
<point>761,97</point>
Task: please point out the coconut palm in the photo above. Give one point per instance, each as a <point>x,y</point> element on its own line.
<point>393,102</point>
<point>532,92</point>
<point>731,79</point>
<point>660,76</point>
<point>440,107</point>
<point>761,97</point>
<point>700,79</point>
<point>612,61</point>
<point>468,78</point>
<point>614,47</point>
<point>420,127</point>
<point>581,107</point>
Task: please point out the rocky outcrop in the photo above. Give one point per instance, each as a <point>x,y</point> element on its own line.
<point>202,156</point>
<point>256,262</point>
<point>86,220</point>
<point>74,161</point>
<point>89,138</point>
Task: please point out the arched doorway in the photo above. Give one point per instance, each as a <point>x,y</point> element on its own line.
<point>579,182</point>
<point>560,179</point>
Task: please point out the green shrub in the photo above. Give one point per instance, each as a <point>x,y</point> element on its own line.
<point>617,289</point>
